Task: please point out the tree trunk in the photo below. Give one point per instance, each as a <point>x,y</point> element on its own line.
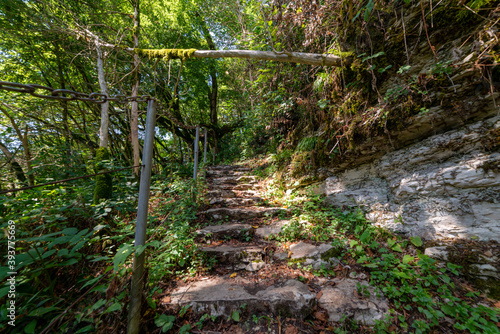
<point>134,114</point>
<point>26,146</point>
<point>14,165</point>
<point>213,91</point>
<point>103,131</point>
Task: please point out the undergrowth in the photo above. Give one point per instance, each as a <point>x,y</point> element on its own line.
<point>72,259</point>
<point>426,296</point>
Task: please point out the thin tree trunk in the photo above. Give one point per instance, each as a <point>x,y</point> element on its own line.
<point>14,165</point>
<point>25,143</point>
<point>103,131</point>
<point>134,114</point>
<point>213,91</point>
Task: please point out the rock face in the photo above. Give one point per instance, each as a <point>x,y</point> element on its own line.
<point>447,185</point>
<point>363,305</point>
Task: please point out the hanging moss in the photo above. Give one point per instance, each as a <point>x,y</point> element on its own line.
<point>104,182</point>
<point>166,54</point>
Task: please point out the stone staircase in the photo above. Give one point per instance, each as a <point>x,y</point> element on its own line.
<point>252,275</point>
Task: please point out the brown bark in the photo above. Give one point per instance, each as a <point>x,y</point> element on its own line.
<point>14,165</point>
<point>24,140</point>
<point>134,113</point>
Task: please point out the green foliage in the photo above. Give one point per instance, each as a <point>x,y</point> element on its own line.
<point>166,322</point>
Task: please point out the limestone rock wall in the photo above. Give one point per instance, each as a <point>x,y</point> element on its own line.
<point>444,186</point>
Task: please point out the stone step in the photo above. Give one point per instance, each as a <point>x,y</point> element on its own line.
<point>236,256</point>
<point>222,296</point>
<point>230,230</point>
<point>272,229</point>
<point>229,168</point>
<point>221,193</point>
<point>244,186</point>
<point>317,256</point>
<point>235,179</point>
<point>242,213</point>
<point>231,194</point>
<point>220,173</point>
<point>353,299</point>
<point>237,201</point>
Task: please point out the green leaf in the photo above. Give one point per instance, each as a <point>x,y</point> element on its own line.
<point>365,236</point>
<point>98,304</point>
<point>397,248</point>
<point>390,242</point>
<point>30,328</point>
<point>416,241</point>
<point>121,256</point>
<point>235,315</point>
<point>70,231</point>
<point>368,10</point>
<point>62,252</point>
<point>166,322</point>
<point>407,259</point>
<point>48,253</point>
<point>41,311</point>
<point>86,329</point>
<point>114,307</point>
<point>185,328</point>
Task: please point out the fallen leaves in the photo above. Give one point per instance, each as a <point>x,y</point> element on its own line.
<point>320,316</point>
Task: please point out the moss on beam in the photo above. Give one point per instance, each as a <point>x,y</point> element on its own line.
<point>166,54</point>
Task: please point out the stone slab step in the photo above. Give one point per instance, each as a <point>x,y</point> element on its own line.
<point>221,193</point>
<point>235,255</point>
<point>243,186</point>
<point>242,213</point>
<point>346,299</point>
<point>229,168</point>
<point>235,179</point>
<point>217,173</point>
<point>231,194</point>
<point>221,296</point>
<point>231,230</point>
<point>272,229</point>
<point>316,256</point>
<point>237,201</point>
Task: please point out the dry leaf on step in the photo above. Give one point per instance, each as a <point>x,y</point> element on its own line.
<point>320,316</point>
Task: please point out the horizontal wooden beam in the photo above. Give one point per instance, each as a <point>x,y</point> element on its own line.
<point>289,57</point>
